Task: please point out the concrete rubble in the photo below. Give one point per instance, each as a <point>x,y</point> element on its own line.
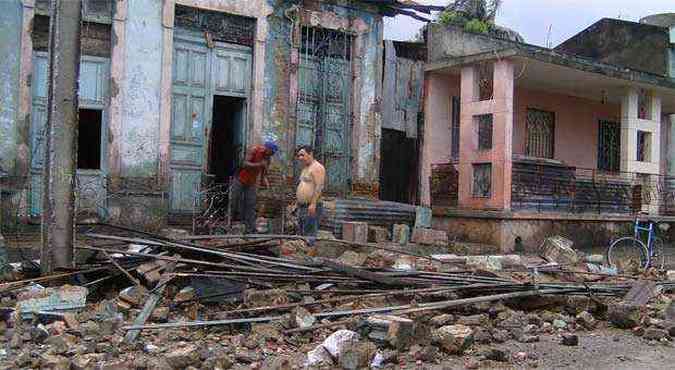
<point>274,302</point>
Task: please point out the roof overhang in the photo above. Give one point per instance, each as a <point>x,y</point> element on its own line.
<point>548,70</point>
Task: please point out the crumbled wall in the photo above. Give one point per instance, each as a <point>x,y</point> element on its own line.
<point>622,43</point>
<point>95,37</point>
<point>10,53</point>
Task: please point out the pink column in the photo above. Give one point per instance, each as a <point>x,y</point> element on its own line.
<point>500,155</point>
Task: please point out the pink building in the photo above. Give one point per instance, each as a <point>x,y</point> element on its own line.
<point>522,142</point>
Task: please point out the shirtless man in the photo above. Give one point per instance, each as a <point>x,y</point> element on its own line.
<point>308,195</point>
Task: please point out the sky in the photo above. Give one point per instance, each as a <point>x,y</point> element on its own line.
<point>545,22</point>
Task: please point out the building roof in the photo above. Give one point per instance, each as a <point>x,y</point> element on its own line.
<point>500,47</point>
<point>542,68</point>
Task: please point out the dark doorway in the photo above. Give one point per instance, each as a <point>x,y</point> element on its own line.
<point>89,139</point>
<point>398,170</point>
<point>226,141</point>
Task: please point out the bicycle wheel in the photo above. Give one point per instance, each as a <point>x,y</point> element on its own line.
<point>658,259</point>
<point>628,255</point>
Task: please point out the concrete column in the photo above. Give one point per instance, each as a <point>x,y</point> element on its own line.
<point>500,155</point>
<point>141,89</point>
<point>629,117</point>
<point>670,150</point>
<point>631,125</point>
<point>168,11</point>
<point>117,77</point>
<point>61,150</point>
<point>503,133</point>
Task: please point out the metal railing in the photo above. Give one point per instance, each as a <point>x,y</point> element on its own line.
<point>547,186</point>
<point>555,188</point>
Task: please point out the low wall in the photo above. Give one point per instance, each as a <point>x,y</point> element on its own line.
<point>507,230</point>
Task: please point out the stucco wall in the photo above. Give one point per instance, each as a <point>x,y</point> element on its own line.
<point>140,89</point>
<point>10,53</point>
<point>576,124</point>
<point>439,91</point>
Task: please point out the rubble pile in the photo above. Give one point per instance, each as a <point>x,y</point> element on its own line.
<point>273,302</point>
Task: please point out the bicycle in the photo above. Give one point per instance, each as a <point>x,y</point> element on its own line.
<point>631,254</point>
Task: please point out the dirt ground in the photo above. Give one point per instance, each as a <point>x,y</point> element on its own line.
<point>606,349</point>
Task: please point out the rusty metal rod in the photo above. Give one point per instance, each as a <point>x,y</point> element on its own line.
<point>176,259</point>
<point>349,298</point>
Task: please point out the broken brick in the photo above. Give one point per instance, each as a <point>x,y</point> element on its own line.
<point>430,237</point>
<point>356,232</point>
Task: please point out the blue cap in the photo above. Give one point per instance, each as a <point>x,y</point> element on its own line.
<point>272,146</point>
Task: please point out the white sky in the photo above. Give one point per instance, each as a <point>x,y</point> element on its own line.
<point>533,18</point>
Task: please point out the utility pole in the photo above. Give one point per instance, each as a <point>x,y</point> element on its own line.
<point>58,180</point>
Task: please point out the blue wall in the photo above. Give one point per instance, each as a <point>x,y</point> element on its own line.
<point>10,54</point>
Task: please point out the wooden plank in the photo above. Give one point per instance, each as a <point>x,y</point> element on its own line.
<point>150,305</point>
<point>389,88</point>
<point>641,292</point>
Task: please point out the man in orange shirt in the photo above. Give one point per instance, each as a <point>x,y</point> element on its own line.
<point>243,190</point>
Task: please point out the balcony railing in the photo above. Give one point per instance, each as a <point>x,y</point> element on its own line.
<point>550,186</point>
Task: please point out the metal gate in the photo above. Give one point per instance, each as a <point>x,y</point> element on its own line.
<point>323,111</point>
<point>199,73</point>
<point>93,94</point>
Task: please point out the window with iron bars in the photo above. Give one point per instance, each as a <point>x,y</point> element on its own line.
<point>482,180</point>
<point>644,142</point>
<point>455,127</point>
<point>609,146</point>
<point>540,133</point>
<point>484,123</point>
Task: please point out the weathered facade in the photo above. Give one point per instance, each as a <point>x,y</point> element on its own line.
<point>523,141</point>
<point>172,91</point>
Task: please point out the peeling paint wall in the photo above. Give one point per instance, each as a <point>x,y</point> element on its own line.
<point>10,53</point>
<point>140,88</point>
<point>370,121</point>
<point>280,83</point>
<point>140,46</point>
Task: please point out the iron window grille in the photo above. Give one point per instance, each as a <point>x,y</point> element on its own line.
<point>455,127</point>
<point>609,146</point>
<point>484,123</point>
<point>643,146</point>
<point>482,180</point>
<point>540,133</point>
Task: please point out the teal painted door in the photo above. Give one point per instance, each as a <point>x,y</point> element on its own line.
<point>199,73</point>
<point>93,94</point>
<point>323,115</point>
<point>190,111</point>
<point>231,76</point>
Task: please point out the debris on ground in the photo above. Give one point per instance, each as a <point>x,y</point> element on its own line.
<point>266,301</point>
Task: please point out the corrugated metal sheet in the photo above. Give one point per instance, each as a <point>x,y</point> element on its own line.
<point>378,213</point>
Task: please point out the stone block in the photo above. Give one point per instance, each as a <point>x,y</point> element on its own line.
<point>186,294</point>
<point>401,234</point>
<point>430,237</point>
<point>624,316</point>
<point>670,275</point>
<point>423,217</point>
<point>378,234</point>
<point>558,249</point>
<point>356,232</point>
<point>354,259</point>
<point>453,339</point>
<point>398,332</point>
